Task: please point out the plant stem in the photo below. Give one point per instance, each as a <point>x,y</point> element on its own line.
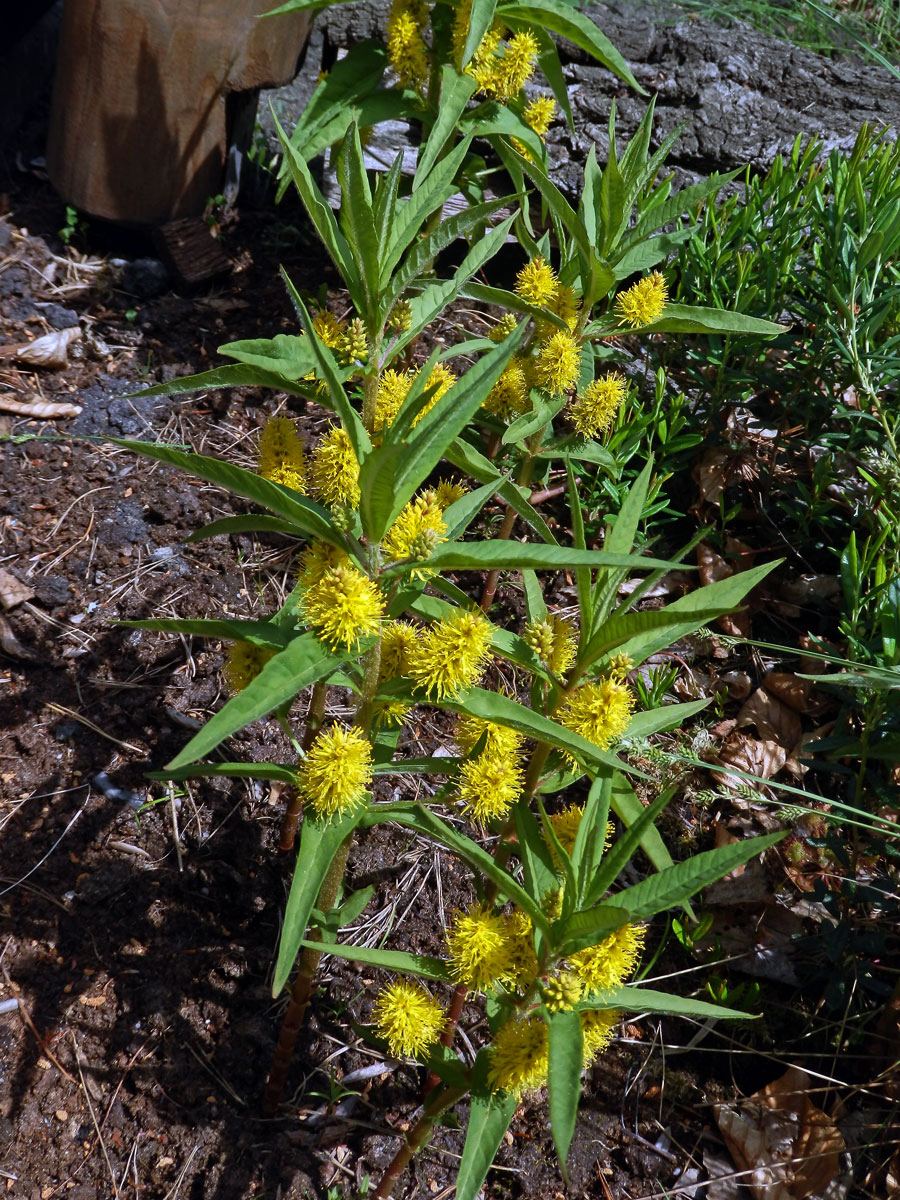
<point>302,988</point>
<point>314,718</point>
<point>415,1139</point>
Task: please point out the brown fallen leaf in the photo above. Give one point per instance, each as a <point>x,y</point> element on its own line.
<point>790,1147</point>
<point>761,758</point>
<point>43,410</point>
<point>774,720</point>
<point>51,350</point>
<point>789,688</point>
<point>13,591</point>
<point>712,567</point>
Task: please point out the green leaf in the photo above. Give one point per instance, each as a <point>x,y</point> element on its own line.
<point>481,17</point>
<point>418,766</point>
<point>636,999</point>
<point>620,853</point>
<point>620,540</point>
<point>537,861</point>
<point>590,838</point>
<point>611,213</point>
<point>649,632</point>
<point>562,18</point>
<point>682,202</point>
<point>323,218</point>
<point>464,456</point>
<point>257,633</point>
<point>328,370</point>
<point>304,661</point>
<point>491,706</point>
<point>319,843</point>
<point>456,92</point>
<point>689,318</point>
<point>280,772</point>
<point>489,1116</point>
<point>384,206</point>
<point>681,881</point>
<point>539,418</point>
<point>428,823</point>
<point>440,427</point>
<point>287,355</point>
<point>509,300</point>
<point>251,523</point>
<point>573,446</point>
<point>357,218</point>
<point>389,960</point>
<point>535,604</point>
<point>504,555</point>
<point>548,61</point>
<point>588,928</point>
<point>629,810</point>
<point>234,375</point>
<point>668,716</point>
<point>564,1076</point>
<point>306,516</point>
<point>582,573</point>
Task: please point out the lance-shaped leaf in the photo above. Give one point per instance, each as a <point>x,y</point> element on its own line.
<point>465,456</point>
<point>356,217</point>
<point>257,633</point>
<point>233,375</point>
<point>319,843</point>
<point>503,555</point>
<point>389,960</point>
<point>638,999</point>
<point>564,1076</point>
<point>288,355</point>
<point>688,318</point>
<point>575,26</point>
<point>280,772</point>
<point>456,91</point>
<point>489,1116</point>
<point>305,515</point>
<point>304,661</point>
<point>249,523</point>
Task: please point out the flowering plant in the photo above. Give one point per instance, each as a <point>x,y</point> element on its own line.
<point>389,507</point>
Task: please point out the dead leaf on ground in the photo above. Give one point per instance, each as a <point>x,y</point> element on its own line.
<point>44,410</point>
<point>790,1147</point>
<point>774,720</point>
<point>13,591</point>
<point>789,688</point>
<point>712,567</point>
<point>761,758</point>
<point>51,350</point>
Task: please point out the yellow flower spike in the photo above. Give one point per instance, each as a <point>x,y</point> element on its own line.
<point>354,344</point>
<point>401,317</point>
<point>594,410</point>
<point>539,113</point>
<point>281,456</point>
<point>509,395</point>
<point>393,388</point>
<point>398,640</point>
<point>561,992</point>
<point>520,932</point>
<point>441,378</point>
<point>619,666</point>
<point>519,1057</point>
<point>558,363</point>
<point>600,712</point>
<point>452,654</point>
<point>334,471</point>
<point>517,65</point>
<point>447,492</point>
<point>343,606</point>
<point>555,640</point>
<point>498,739</point>
<point>597,1028</point>
<point>489,786</point>
<point>504,327</point>
<point>480,952</point>
<point>243,662</point>
<point>537,282</point>
<point>643,302</point>
<point>408,1018</point>
<point>610,963</point>
<point>565,825</point>
<point>316,559</point>
<point>392,713</point>
<point>415,533</point>
<point>406,48</point>
<point>337,771</point>
<point>330,330</point>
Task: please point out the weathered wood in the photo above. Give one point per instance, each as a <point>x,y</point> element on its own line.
<point>139,122</point>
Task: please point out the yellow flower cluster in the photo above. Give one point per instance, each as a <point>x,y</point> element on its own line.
<point>334,471</point>
<point>611,962</point>
<point>558,363</point>
<point>393,388</point>
<point>336,773</point>
<point>643,302</point>
<point>343,606</point>
<point>447,492</point>
<point>501,67</point>
<point>491,783</point>
<point>398,641</point>
<point>406,48</point>
<point>490,950</point>
<point>509,395</point>
<point>415,533</point>
<point>554,640</point>
<point>451,654</point>
<point>408,1018</point>
<point>594,409</point>
<point>539,113</point>
<point>243,662</point>
<point>565,825</point>
<point>520,1056</point>
<point>281,457</point>
<point>600,712</point>
<point>537,282</point>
